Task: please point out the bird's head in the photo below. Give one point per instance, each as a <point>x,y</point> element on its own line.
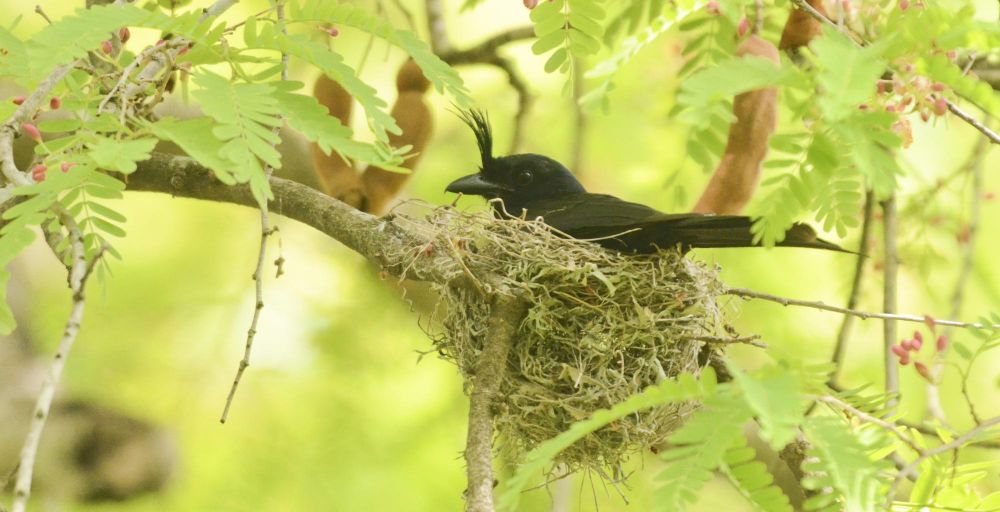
<point>517,180</point>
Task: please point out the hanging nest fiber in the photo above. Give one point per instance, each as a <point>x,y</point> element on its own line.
<point>600,327</point>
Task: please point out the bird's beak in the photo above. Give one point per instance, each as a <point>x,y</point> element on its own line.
<point>477,185</point>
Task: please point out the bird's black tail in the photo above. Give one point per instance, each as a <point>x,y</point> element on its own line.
<point>734,231</point>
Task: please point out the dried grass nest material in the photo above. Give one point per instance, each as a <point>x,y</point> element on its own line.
<point>599,328</point>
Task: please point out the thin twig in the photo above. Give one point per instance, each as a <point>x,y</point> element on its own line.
<point>784,301</point>
<point>861,415</point>
<point>505,316</point>
<point>78,274</point>
<point>975,166</point>
<point>860,41</point>
<point>890,273</point>
<point>955,444</point>
<point>258,275</point>
<point>41,12</point>
<point>840,349</point>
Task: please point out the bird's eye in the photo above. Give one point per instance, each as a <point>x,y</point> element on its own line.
<point>523,177</point>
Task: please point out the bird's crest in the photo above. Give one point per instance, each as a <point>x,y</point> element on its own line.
<point>480,124</point>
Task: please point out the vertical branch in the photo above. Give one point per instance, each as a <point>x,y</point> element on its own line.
<point>840,349</point>
<point>506,315</point>
<point>975,166</point>
<point>258,275</point>
<point>889,295</point>
<point>435,26</point>
<point>79,271</point>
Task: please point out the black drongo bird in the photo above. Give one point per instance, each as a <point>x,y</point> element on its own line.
<point>538,186</point>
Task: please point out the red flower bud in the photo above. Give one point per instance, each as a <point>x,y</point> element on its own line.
<point>183,50</point>
<point>930,323</point>
<point>940,107</point>
<point>17,100</point>
<point>937,86</point>
<point>66,166</point>
<point>923,371</point>
<point>925,115</point>
<point>942,342</point>
<point>899,350</point>
<point>907,344</point>
<point>124,35</point>
<point>905,360</point>
<point>904,5</point>
<point>917,336</point>
<point>880,87</point>
<point>989,196</point>
<point>107,47</point>
<point>743,27</point>
<point>713,7</point>
<point>530,4</point>
<point>333,32</point>
<point>38,172</point>
<point>55,103</point>
<point>916,343</point>
<point>31,131</point>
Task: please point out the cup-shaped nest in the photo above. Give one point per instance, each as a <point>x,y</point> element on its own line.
<point>600,327</point>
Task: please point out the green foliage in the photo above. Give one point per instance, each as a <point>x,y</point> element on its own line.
<point>306,115</point>
<point>752,478</point>
<point>569,29</point>
<point>698,448</point>
<point>246,116</point>
<point>333,65</point>
<point>844,463</point>
<point>684,388</point>
<point>443,76</point>
<point>846,74</point>
<point>609,67</point>
<point>120,155</point>
<point>775,397</point>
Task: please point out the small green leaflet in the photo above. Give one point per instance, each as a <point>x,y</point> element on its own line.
<point>847,73</point>
<point>195,137</point>
<point>121,156</point>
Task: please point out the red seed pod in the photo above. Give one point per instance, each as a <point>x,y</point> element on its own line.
<point>55,103</point>
<point>743,27</point>
<point>940,107</point>
<point>107,47</point>
<point>942,343</point>
<point>923,371</point>
<point>530,4</point>
<point>18,100</point>
<point>899,350</point>
<point>904,5</point>
<point>31,131</point>
<point>124,35</point>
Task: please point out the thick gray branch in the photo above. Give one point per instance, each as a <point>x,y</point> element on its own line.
<point>380,239</point>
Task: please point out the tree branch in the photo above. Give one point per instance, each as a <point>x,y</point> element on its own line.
<point>505,317</point>
<point>864,315</point>
<point>890,272</point>
<point>78,274</point>
<point>840,349</point>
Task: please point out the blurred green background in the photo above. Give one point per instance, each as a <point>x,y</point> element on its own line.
<point>338,411</point>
